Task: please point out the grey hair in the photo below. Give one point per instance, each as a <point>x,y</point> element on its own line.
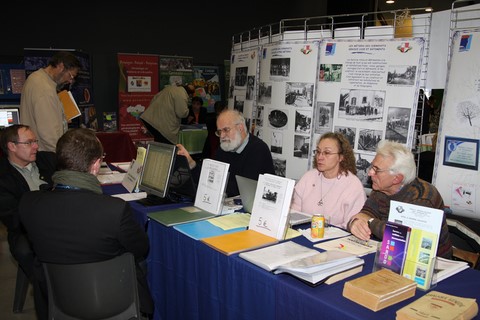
<point>403,161</point>
<point>237,117</point>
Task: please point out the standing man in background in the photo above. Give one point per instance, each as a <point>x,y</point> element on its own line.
<point>165,112</point>
<point>40,106</point>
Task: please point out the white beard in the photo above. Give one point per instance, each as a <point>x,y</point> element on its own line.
<point>231,144</point>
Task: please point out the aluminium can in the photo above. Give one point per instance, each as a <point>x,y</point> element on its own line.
<point>318,226</point>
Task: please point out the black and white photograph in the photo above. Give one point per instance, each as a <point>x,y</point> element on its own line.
<point>299,94</point>
<point>330,72</point>
<point>278,119</point>
<point>276,144</point>
<point>265,92</point>
<point>356,104</point>
<point>301,146</point>
<point>303,121</point>
<point>349,133</point>
<point>241,76</point>
<point>238,103</point>
<point>398,121</point>
<point>368,139</point>
<point>231,88</point>
<point>280,166</point>
<point>250,88</point>
<point>280,67</point>
<point>269,195</point>
<point>258,132</point>
<point>401,75</point>
<point>324,117</point>
<point>259,116</point>
<point>362,163</point>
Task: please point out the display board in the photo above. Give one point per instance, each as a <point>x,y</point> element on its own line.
<point>456,173</point>
<point>175,70</point>
<point>367,90</point>
<point>206,80</point>
<point>285,103</point>
<point>138,83</point>
<point>242,89</point>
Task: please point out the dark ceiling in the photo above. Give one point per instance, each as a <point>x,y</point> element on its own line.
<point>437,5</point>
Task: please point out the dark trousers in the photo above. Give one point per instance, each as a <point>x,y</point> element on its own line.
<point>157,136</point>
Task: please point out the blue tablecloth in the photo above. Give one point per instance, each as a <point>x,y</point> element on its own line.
<point>140,211</point>
<point>190,280</point>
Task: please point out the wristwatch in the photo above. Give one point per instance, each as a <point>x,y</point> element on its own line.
<point>370,221</point>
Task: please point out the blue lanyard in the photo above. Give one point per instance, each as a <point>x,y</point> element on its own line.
<point>64,186</point>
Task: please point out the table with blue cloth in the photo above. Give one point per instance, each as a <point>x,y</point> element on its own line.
<point>190,280</point>
<point>139,210</point>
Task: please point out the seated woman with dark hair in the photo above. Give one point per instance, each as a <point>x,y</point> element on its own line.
<point>197,113</point>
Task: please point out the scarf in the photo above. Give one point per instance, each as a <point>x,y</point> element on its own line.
<point>77,179</point>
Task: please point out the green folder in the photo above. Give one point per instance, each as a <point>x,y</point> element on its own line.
<point>181,215</point>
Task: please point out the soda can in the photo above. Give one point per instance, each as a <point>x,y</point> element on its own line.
<point>318,226</point>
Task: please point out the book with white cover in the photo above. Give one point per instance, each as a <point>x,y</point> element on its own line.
<point>211,186</point>
<point>271,206</point>
<point>445,268</point>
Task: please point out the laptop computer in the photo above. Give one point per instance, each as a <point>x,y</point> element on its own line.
<point>247,188</point>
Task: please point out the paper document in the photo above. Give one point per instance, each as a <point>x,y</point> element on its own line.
<point>131,196</point>
<point>350,244</point>
<point>115,177</point>
<point>231,221</point>
<point>330,233</point>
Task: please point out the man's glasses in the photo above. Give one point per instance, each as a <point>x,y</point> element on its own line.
<point>225,130</point>
<point>324,153</point>
<point>376,169</point>
<point>72,78</point>
<point>27,143</point>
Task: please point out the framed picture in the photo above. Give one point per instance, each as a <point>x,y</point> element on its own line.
<point>461,153</point>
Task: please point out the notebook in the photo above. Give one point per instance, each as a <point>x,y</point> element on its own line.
<point>247,188</point>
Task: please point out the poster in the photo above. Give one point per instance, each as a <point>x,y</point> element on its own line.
<point>175,70</point>
<point>138,83</point>
<point>456,165</point>
<point>367,90</point>
<point>285,103</point>
<point>206,80</point>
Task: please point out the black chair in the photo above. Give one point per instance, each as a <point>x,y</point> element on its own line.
<point>104,290</point>
<point>21,289</point>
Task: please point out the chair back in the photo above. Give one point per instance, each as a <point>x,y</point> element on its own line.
<point>104,290</point>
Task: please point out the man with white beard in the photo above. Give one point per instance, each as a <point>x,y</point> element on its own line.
<point>247,155</point>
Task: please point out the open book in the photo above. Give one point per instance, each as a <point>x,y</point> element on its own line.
<point>445,268</point>
<point>304,263</point>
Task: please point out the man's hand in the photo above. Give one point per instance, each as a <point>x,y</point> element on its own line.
<point>359,226</point>
<point>182,151</point>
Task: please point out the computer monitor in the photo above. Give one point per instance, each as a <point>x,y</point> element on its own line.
<point>9,115</point>
<point>156,173</point>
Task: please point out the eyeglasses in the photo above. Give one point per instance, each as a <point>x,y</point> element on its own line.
<point>324,153</point>
<point>376,169</point>
<point>27,143</point>
<point>225,130</point>
<point>71,75</point>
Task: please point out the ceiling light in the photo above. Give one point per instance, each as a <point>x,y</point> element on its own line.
<point>428,9</point>
<point>390,1</point>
